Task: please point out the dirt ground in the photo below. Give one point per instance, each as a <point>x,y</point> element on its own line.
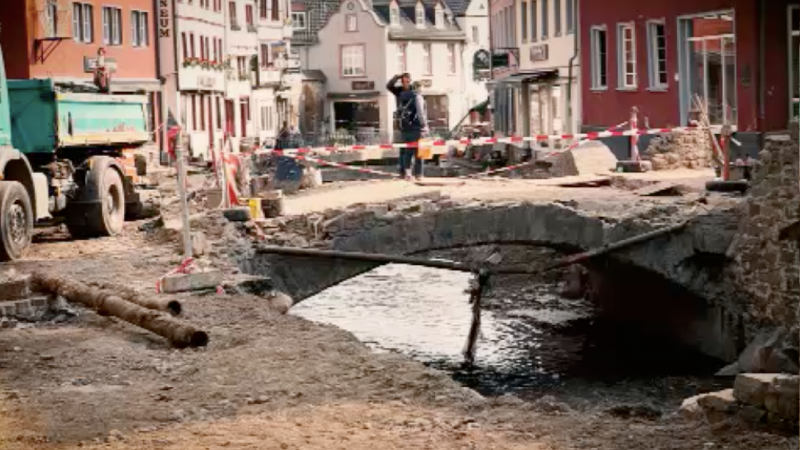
<point>266,381</point>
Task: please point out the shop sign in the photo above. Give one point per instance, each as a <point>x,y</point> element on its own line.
<point>90,64</point>
<point>164,18</point>
<point>539,52</point>
<point>206,82</point>
<point>363,85</point>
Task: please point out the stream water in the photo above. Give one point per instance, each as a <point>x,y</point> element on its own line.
<point>424,313</point>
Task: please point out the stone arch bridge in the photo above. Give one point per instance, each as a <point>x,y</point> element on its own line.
<point>693,261</point>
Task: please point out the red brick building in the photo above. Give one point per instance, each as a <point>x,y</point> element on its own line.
<point>59,39</point>
<point>739,56</point>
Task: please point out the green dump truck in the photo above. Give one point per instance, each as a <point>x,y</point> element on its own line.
<point>62,159</point>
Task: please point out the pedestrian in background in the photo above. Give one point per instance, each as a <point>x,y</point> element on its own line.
<point>410,121</point>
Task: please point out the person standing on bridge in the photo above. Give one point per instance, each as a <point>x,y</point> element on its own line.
<point>411,122</point>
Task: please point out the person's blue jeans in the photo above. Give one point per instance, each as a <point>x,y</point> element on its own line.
<point>409,154</point>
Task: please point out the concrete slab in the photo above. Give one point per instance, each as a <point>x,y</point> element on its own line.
<point>183,282</point>
<point>751,388</point>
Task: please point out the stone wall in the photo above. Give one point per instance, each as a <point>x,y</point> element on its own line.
<point>676,150</point>
<point>767,268</point>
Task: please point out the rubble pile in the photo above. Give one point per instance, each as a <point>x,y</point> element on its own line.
<point>675,150</point>
<point>764,400</point>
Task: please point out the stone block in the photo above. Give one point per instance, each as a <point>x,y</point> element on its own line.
<point>690,409</point>
<point>589,158</point>
<point>721,401</point>
<point>751,414</point>
<point>14,288</point>
<point>751,388</point>
<point>182,282</point>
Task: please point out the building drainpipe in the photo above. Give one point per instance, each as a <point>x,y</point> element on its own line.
<point>575,53</point>
<point>491,72</point>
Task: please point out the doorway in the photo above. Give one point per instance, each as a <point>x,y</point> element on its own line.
<point>794,61</point>
<point>708,66</point>
<point>229,117</point>
<point>356,116</point>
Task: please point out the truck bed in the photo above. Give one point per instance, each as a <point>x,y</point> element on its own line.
<point>44,120</point>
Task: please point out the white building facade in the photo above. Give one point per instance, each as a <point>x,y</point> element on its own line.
<point>361,45</point>
<point>541,92</point>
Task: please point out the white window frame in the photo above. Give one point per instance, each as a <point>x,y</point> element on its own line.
<point>112,25</point>
<point>570,13</point>
<point>51,11</point>
<point>427,57</point>
<point>353,60</point>
<point>141,32</point>
<point>402,57</point>
<point>451,59</point>
<point>545,19</point>
<point>439,18</point>
<point>557,18</point>
<point>597,83</point>
<point>653,62</point>
<point>298,20</point>
<point>83,22</point>
<point>475,34</point>
<point>624,77</point>
<point>394,15</point>
<point>419,12</point>
<point>351,23</point>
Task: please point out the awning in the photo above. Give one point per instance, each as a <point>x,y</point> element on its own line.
<point>481,107</point>
<point>353,95</point>
<point>528,77</point>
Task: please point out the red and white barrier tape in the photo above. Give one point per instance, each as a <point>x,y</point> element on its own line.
<point>342,166</point>
<point>187,266</point>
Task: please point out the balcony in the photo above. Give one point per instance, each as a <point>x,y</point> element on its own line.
<point>235,26</point>
<point>252,28</point>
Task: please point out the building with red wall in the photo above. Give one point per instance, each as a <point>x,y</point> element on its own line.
<point>735,54</point>
<point>59,39</point>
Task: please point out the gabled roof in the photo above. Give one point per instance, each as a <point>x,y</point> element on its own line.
<point>408,26</point>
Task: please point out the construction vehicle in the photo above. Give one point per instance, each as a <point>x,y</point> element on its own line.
<point>63,160</point>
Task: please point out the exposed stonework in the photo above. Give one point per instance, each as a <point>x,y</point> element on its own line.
<point>768,269</point>
<point>763,400</point>
<point>686,149</point>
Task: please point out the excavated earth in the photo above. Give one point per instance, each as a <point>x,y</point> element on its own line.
<point>75,379</point>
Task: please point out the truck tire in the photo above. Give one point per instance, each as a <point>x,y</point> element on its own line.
<point>16,220</point>
<point>103,210</point>
<point>109,218</point>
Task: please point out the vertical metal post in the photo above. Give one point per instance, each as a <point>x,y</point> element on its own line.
<point>179,155</point>
<point>634,123</point>
<point>226,201</point>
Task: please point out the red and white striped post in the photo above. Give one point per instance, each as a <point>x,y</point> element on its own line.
<point>634,122</point>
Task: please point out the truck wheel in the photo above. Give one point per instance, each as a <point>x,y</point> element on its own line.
<point>16,220</point>
<point>109,218</point>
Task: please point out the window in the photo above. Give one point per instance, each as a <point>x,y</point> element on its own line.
<point>262,8</point>
<point>194,113</point>
<point>353,60</point>
<point>232,13</point>
<point>241,65</point>
<point>402,66</point>
<point>394,15</point>
<point>545,18</point>
<point>112,25</point>
<point>420,11</point>
<point>246,109</point>
<point>475,34</point>
<point>439,17</point>
<point>52,19</point>
<point>534,21</point>
<point>427,59</point>
<point>299,20</point>
<point>264,55</point>
<point>557,14</point>
<point>140,28</point>
<point>218,109</point>
<point>657,55</point>
<point>599,58</point>
<point>248,15</point>
<point>451,57</point>
<point>524,21</point>
<point>184,46</point>
<point>202,47</point>
<point>626,52</point>
<point>83,23</point>
<point>202,113</point>
<point>351,24</point>
<point>276,10</point>
<point>570,16</point>
<point>191,45</point>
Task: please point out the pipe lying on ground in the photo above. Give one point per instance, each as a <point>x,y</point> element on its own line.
<point>178,333</point>
<point>463,267</point>
<point>173,307</point>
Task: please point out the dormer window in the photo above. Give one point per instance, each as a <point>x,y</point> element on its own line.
<point>394,15</point>
<point>420,15</point>
<point>439,16</point>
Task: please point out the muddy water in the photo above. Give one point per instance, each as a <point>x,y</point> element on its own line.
<point>531,352</point>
